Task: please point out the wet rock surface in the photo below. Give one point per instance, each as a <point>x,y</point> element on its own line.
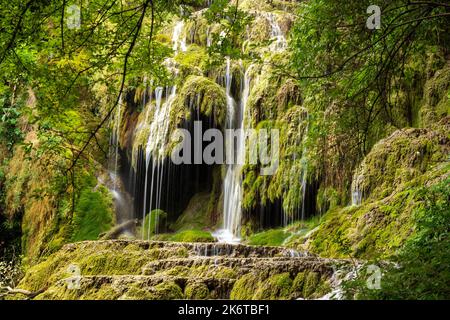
<point>129,269</point>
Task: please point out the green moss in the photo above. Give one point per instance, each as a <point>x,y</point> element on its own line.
<point>196,290</point>
<point>256,286</point>
<point>110,263</point>
<point>136,293</point>
<point>245,287</point>
<point>196,215</point>
<point>278,286</point>
<point>192,236</point>
<point>310,284</point>
<point>207,96</point>
<point>93,214</point>
<point>374,229</point>
<point>168,290</point>
<point>178,271</point>
<point>436,101</point>
<point>60,238</point>
<point>286,184</point>
<point>216,272</point>
<point>154,222</point>
<point>404,155</point>
<point>299,282</point>
<point>328,199</point>
<point>273,237</point>
<point>95,258</point>
<point>193,61</point>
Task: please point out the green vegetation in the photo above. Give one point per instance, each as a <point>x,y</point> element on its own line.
<point>192,236</point>
<point>196,291</point>
<point>196,215</point>
<point>362,116</point>
<point>307,284</point>
<point>93,214</point>
<point>274,237</point>
<point>154,222</point>
<point>422,270</point>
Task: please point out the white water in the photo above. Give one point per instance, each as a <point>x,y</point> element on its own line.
<point>279,40</point>
<point>178,41</point>
<point>123,207</point>
<point>357,194</point>
<point>155,149</point>
<point>304,163</point>
<point>232,210</point>
<point>114,171</point>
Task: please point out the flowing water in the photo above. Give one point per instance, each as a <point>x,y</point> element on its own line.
<point>279,40</point>
<point>152,186</point>
<point>232,209</point>
<point>357,194</point>
<point>155,149</point>
<point>304,164</point>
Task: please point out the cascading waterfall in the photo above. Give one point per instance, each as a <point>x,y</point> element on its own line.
<point>280,42</point>
<point>155,151</point>
<point>232,213</point>
<point>121,203</point>
<point>304,164</point>
<point>178,41</point>
<point>357,194</point>
<point>297,212</point>
<point>114,144</point>
<point>152,157</point>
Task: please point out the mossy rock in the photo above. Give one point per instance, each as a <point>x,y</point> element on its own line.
<point>276,287</point>
<point>411,151</point>
<point>256,285</point>
<point>436,99</point>
<point>205,96</point>
<point>112,258</point>
<point>193,61</point>
<point>274,237</point>
<point>310,284</point>
<point>192,236</point>
<point>196,291</point>
<point>375,229</point>
<point>155,222</point>
<point>245,287</point>
<point>136,293</point>
<point>216,272</point>
<point>168,290</point>
<point>195,216</point>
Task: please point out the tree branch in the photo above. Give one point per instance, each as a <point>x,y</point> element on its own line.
<point>122,85</point>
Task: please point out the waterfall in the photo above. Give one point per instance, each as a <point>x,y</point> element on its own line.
<point>121,203</point>
<point>155,149</point>
<point>276,34</point>
<point>297,210</point>
<point>178,41</point>
<point>115,137</point>
<point>208,37</point>
<point>357,194</point>
<point>232,209</point>
<point>304,163</point>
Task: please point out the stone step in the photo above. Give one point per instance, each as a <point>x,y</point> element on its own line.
<point>126,269</point>
<point>242,265</point>
<point>141,287</point>
<point>194,249</point>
